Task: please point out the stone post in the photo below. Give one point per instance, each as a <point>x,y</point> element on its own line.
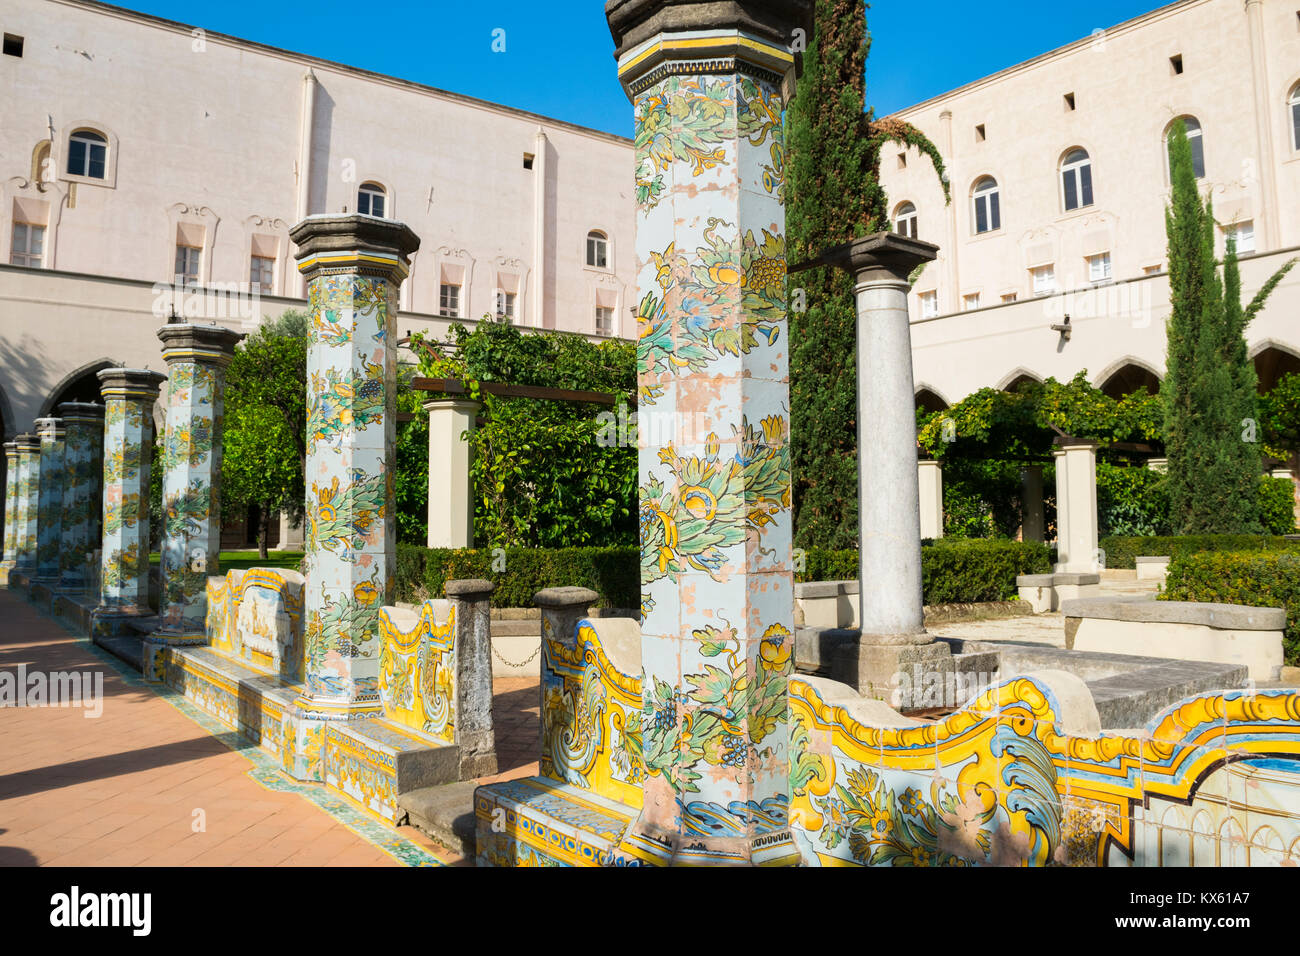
<point>129,396</point>
<point>27,507</point>
<point>451,492</point>
<point>472,600</point>
<point>291,534</point>
<point>10,556</point>
<point>197,357</point>
<point>50,521</point>
<point>1033,525</point>
<point>929,476</point>
<point>709,82</point>
<point>353,265</point>
<point>1076,506</point>
<point>83,466</point>
<point>895,658</point>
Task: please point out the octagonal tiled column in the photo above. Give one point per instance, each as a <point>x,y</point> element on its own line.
<point>10,555</point>
<point>129,397</point>
<point>27,504</point>
<point>708,82</point>
<point>49,537</point>
<point>353,265</point>
<point>83,468</point>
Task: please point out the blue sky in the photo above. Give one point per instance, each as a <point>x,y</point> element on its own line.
<point>558,56</point>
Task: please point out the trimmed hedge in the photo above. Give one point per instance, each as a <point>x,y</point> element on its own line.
<point>953,572</point>
<point>1122,552</point>
<point>1252,578</point>
<point>1277,505</point>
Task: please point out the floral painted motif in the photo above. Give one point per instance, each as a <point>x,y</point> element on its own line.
<point>124,581</point>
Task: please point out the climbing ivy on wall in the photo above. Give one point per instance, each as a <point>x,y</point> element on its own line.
<point>833,196</point>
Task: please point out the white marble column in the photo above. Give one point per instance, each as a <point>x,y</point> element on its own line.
<point>451,491</point>
<point>929,476</point>
<point>1076,506</point>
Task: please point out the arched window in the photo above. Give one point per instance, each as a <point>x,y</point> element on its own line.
<point>597,250</point>
<point>372,200</point>
<point>905,220</point>
<point>1295,117</point>
<point>1076,179</point>
<point>87,154</point>
<point>1196,139</point>
<point>988,205</point>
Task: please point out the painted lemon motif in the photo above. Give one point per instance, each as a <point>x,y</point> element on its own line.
<point>700,502</point>
<point>366,593</point>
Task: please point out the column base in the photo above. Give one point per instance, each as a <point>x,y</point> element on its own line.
<point>652,844</point>
<point>896,673</point>
<point>153,651</point>
<point>306,725</point>
<point>5,568</point>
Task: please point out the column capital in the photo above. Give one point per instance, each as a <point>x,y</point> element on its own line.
<point>27,442</point>
<point>334,244</point>
<point>469,589</point>
<point>139,384</point>
<point>565,597</point>
<point>201,344</point>
<point>1069,443</point>
<point>880,258</point>
<point>51,428</point>
<point>11,449</point>
<point>657,38</point>
<point>81,412</point>
<point>457,402</point>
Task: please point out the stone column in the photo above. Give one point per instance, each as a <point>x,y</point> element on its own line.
<point>52,479</point>
<point>895,657</point>
<point>1076,506</point>
<point>709,82</point>
<point>10,556</point>
<point>354,265</point>
<point>451,491</point>
<point>291,534</point>
<point>1033,523</point>
<point>129,396</point>
<point>27,506</point>
<point>929,476</point>
<point>83,466</point>
<point>475,736</point>
<point>197,357</point>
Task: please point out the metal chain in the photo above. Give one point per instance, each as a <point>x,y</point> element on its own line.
<point>525,663</point>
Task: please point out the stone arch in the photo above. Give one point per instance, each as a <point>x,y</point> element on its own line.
<point>79,385</point>
<point>1273,360</point>
<point>8,424</point>
<point>1014,379</point>
<point>930,399</point>
<point>1126,376</point>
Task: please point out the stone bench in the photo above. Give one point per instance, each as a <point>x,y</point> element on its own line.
<point>826,604</point>
<point>1047,592</point>
<point>1179,630</point>
<point>1152,568</point>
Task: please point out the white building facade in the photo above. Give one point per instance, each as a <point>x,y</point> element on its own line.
<point>1059,180</point>
<point>138,156</point>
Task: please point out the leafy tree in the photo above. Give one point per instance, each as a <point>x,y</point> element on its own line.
<point>834,195</point>
<point>266,424</point>
<point>1280,410</point>
<point>1210,391</point>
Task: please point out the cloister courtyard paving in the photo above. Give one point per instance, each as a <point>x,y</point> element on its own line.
<point>126,787</point>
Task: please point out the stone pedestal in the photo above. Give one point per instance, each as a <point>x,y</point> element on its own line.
<point>451,492</point>
<point>1033,523</point>
<point>929,476</point>
<point>906,676</point>
<point>292,537</point>
<point>83,466</point>
<point>709,83</point>
<point>1076,506</point>
<point>50,491</point>
<point>354,265</point>
<point>129,396</point>
<point>10,556</point>
<point>475,735</point>
<point>27,504</point>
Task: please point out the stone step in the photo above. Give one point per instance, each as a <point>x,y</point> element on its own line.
<point>519,628</point>
<point>126,648</point>
<point>444,814</point>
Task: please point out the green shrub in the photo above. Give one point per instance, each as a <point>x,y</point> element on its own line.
<point>1122,552</point>
<point>1277,505</point>
<point>519,573</point>
<point>953,571</point>
<point>1255,579</point>
<point>1131,500</point>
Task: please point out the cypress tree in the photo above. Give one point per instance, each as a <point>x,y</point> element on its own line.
<point>833,195</point>
<point>1210,389</point>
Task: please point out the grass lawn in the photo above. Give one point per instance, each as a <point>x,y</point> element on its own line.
<point>243,560</point>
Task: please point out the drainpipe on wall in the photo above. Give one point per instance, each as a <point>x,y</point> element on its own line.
<point>539,229</point>
<point>305,128</point>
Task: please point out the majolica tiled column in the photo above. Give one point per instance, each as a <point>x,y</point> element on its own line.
<point>129,397</point>
<point>27,507</point>
<point>11,513</point>
<point>49,537</point>
<point>708,82</point>
<point>353,265</point>
<point>196,357</point>
<point>83,468</point>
